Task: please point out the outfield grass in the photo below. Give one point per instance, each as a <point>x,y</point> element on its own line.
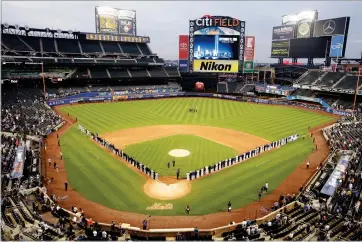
<point>269,122</point>
<point>103,179</point>
<point>154,153</point>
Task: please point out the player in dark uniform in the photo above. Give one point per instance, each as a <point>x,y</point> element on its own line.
<point>229,207</point>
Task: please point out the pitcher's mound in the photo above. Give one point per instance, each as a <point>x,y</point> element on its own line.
<point>179,153</point>
<point>162,191</point>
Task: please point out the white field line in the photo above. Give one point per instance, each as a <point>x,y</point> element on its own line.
<point>93,154</point>
<point>261,163</point>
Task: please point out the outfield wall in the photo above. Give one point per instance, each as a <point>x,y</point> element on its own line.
<point>109,98</point>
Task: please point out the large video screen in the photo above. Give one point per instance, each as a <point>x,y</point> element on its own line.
<point>216,47</point>
<point>115,21</point>
<point>216,44</point>
<point>309,47</point>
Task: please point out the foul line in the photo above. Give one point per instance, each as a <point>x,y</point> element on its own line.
<point>93,154</point>
<point>261,163</point>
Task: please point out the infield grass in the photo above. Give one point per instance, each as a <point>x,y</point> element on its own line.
<point>203,152</point>
<point>103,179</point>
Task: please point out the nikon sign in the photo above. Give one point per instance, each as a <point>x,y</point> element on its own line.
<point>227,66</point>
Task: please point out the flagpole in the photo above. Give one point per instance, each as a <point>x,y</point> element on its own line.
<point>357,85</point>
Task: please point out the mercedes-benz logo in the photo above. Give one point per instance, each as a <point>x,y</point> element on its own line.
<point>329,27</point>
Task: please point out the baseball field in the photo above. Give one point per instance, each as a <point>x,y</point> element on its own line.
<point>156,132</point>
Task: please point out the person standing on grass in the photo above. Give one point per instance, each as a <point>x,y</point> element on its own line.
<point>187,209</point>
<point>66,185</point>
<point>178,173</point>
<point>168,165</point>
<point>266,187</point>
<point>229,207</point>
<point>173,163</point>
<point>259,195</point>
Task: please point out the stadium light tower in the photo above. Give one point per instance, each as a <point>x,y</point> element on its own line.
<point>309,15</point>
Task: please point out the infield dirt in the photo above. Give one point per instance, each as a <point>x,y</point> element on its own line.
<point>104,214</point>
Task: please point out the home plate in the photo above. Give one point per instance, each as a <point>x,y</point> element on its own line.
<point>179,153</point>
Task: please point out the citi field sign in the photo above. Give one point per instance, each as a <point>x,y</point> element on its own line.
<point>210,21</point>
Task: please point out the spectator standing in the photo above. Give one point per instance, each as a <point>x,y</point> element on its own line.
<point>196,232</point>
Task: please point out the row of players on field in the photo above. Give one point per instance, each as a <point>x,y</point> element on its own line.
<point>283,200</point>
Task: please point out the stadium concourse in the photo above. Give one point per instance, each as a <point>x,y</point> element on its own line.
<point>35,205</point>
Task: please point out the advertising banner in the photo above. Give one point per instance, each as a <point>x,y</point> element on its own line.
<point>339,171</point>
<point>110,37</point>
<point>336,49</point>
<point>106,20</point>
<point>280,48</point>
<point>183,65</point>
<point>304,30</point>
<point>123,97</point>
<point>249,48</point>
<point>248,67</point>
<point>216,38</point>
<point>115,21</point>
<point>126,22</point>
<point>284,32</point>
<point>249,54</point>
<point>328,27</point>
<point>183,49</point>
<point>224,66</point>
<point>18,165</point>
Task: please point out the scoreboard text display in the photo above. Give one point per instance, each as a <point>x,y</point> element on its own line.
<point>216,44</point>
<point>280,48</point>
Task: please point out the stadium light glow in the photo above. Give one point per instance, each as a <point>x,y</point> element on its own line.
<point>294,18</point>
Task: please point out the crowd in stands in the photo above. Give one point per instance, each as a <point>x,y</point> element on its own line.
<point>23,214</point>
<point>114,90</point>
<point>25,111</point>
